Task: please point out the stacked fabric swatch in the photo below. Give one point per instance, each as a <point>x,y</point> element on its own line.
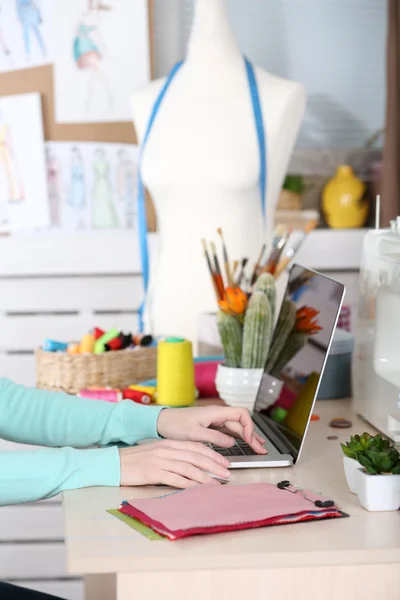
<point>214,509</point>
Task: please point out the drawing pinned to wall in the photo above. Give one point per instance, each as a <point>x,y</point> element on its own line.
<point>25,31</point>
<point>76,191</point>
<point>103,211</point>
<point>127,186</point>
<point>101,54</point>
<point>23,181</point>
<point>84,181</point>
<point>54,187</point>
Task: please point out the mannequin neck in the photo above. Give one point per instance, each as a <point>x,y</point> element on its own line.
<point>211,37</point>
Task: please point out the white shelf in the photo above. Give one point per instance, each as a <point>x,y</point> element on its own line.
<point>332,249</point>
<point>118,252</point>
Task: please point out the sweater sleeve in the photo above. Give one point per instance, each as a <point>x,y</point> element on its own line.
<point>27,476</point>
<point>51,419</point>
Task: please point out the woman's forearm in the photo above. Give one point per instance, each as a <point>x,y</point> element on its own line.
<point>53,419</point>
<point>39,474</point>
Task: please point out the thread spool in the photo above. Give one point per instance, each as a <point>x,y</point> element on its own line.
<point>115,344</point>
<point>98,333</point>
<point>175,373</point>
<point>136,396</point>
<point>150,390</point>
<point>54,346</point>
<point>87,344</point>
<point>142,340</point>
<point>126,340</point>
<point>99,346</point>
<point>106,395</point>
<point>74,349</point>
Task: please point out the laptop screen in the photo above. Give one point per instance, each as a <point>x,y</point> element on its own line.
<point>297,355</point>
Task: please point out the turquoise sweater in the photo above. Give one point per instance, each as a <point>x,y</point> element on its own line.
<point>64,423</point>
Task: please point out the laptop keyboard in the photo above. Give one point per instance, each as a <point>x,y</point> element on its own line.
<point>239,449</point>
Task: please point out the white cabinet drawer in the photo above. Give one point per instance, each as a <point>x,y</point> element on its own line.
<point>31,522</point>
<point>68,590</point>
<point>33,561</point>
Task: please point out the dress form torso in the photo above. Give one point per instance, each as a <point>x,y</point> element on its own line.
<point>202,167</point>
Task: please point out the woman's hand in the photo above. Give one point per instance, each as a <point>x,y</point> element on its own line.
<point>176,464</point>
<point>201,425</point>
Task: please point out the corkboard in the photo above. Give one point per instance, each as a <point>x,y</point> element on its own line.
<point>40,80</point>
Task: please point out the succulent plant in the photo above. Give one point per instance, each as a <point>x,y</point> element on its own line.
<point>361,443</point>
<point>375,453</point>
<point>379,462</point>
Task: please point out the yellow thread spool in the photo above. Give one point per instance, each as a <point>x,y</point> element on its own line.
<point>175,373</point>
<point>150,390</point>
<point>87,344</point>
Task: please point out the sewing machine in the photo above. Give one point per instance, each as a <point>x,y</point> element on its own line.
<point>376,359</point>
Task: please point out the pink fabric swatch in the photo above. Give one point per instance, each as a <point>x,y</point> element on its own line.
<point>208,506</point>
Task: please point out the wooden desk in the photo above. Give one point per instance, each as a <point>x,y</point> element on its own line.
<point>345,559</point>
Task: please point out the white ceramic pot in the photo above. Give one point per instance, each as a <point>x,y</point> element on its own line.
<point>350,467</point>
<point>239,387</point>
<point>378,492</point>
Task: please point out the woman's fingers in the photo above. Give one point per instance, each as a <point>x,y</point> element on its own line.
<point>197,447</point>
<point>175,481</point>
<point>256,442</point>
<point>195,459</point>
<point>186,470</point>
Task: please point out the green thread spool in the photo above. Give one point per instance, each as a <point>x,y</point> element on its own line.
<point>99,346</point>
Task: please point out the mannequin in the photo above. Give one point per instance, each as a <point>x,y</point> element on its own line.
<point>201,165</point>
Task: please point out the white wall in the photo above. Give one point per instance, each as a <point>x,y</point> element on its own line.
<point>336,48</point>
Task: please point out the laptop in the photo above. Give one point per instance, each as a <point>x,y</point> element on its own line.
<point>293,371</point>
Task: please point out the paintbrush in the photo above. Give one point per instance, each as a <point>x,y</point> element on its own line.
<point>228,272</point>
<point>212,274</point>
<point>294,244</point>
<point>257,265</point>
<point>235,266</point>
<point>278,245</point>
<point>241,272</point>
<point>217,272</point>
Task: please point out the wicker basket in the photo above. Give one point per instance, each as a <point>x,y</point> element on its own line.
<point>61,372</point>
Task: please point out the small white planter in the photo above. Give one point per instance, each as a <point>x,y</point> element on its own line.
<point>239,387</point>
<point>378,492</point>
<point>350,466</point>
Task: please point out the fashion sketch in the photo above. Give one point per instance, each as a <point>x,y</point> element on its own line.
<point>30,19</point>
<point>54,187</point>
<point>4,47</point>
<point>9,165</point>
<point>104,215</point>
<point>76,197</point>
<point>126,185</point>
<point>88,54</point>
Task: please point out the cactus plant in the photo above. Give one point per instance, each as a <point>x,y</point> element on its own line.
<point>231,333</point>
<point>257,331</point>
<point>266,283</point>
<point>294,343</point>
<point>286,321</point>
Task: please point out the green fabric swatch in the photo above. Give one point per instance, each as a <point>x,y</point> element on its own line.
<point>137,525</point>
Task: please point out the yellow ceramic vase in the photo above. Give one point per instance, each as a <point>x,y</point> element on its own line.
<point>342,200</point>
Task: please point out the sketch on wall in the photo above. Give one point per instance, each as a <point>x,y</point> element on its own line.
<point>92,186</point>
<point>101,54</point>
<point>23,181</point>
<point>25,27</point>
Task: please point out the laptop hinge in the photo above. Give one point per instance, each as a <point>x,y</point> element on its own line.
<point>277,440</point>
